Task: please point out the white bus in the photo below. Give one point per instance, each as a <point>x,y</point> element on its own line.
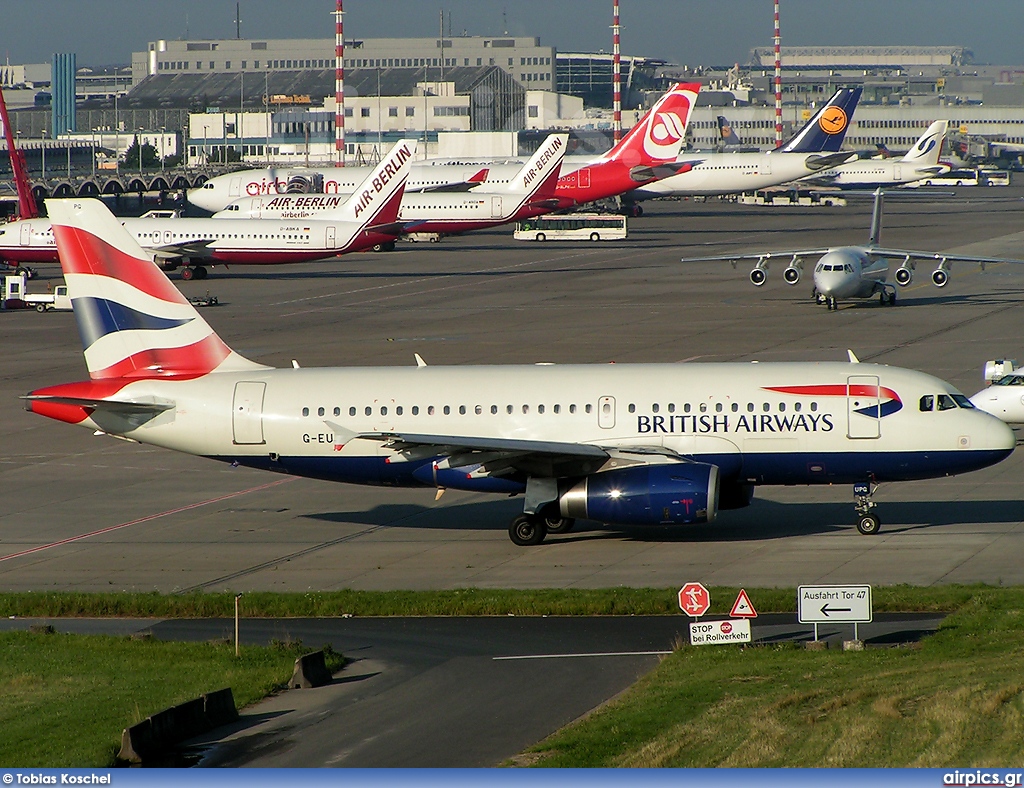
<point>572,227</point>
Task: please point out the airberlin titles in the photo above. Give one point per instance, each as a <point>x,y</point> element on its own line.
<point>542,161</point>
<point>391,168</point>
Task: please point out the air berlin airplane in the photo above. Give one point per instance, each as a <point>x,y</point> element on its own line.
<point>617,443</point>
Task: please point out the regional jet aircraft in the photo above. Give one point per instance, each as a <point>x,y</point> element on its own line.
<point>844,272</point>
<point>658,444</point>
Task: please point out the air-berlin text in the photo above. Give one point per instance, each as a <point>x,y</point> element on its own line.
<point>384,174</point>
<point>542,160</point>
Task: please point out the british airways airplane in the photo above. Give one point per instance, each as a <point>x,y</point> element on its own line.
<point>369,217</point>
<point>657,444</point>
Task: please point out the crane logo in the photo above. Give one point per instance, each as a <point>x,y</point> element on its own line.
<point>833,120</point>
<point>873,401</point>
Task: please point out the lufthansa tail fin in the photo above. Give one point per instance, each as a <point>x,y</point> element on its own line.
<point>133,322</point>
<point>660,134</point>
<point>725,132</point>
<point>826,130</point>
<point>375,201</point>
<point>928,148</point>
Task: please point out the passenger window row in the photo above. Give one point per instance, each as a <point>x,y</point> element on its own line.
<point>446,410</point>
<point>719,407</point>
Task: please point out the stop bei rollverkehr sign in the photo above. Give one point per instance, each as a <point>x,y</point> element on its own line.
<point>694,599</point>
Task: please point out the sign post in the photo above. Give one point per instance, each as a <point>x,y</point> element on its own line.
<point>834,605</point>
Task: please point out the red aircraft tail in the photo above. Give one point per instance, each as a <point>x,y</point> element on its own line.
<point>27,208</point>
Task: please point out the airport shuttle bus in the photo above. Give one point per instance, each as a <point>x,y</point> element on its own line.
<point>572,227</point>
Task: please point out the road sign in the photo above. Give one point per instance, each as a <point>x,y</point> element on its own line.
<point>694,599</point>
<point>710,633</point>
<point>742,608</point>
<point>835,604</point>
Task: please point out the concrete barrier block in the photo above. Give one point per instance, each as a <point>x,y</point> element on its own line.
<point>310,671</point>
<point>220,707</point>
<point>853,645</point>
<point>137,742</point>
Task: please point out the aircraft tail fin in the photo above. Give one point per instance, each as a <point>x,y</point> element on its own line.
<point>726,133</point>
<point>928,148</point>
<point>27,208</point>
<point>876,219</point>
<point>133,322</point>
<point>660,134</point>
<point>826,129</point>
<point>375,201</point>
<point>539,175</point>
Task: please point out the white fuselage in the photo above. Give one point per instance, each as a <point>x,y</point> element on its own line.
<point>872,173</point>
<point>759,423</point>
<point>1004,399</point>
<point>219,192</point>
<point>849,272</point>
<point>730,173</point>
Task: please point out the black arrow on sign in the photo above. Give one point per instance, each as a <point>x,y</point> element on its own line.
<point>825,609</point>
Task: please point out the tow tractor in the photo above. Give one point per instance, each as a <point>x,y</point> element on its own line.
<point>15,297</point>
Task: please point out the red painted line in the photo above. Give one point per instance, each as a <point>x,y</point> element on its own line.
<point>146,519</point>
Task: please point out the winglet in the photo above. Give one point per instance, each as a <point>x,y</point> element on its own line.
<point>419,360</point>
<point>853,357</point>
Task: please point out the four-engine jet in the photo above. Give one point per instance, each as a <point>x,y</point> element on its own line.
<point>844,272</point>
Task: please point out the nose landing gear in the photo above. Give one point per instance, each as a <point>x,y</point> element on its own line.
<point>868,523</point>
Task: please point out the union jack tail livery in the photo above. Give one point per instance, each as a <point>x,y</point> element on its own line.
<point>133,322</point>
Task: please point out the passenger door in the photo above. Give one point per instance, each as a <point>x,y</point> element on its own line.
<point>247,412</point>
<point>863,407</point>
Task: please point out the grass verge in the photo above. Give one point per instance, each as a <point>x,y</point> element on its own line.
<point>459,602</point>
<point>66,698</point>
<point>957,700</point>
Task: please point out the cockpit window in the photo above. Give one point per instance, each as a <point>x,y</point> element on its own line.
<point>962,401</point>
<point>848,268</point>
<point>946,402</point>
<point>1010,380</point>
<point>927,403</point>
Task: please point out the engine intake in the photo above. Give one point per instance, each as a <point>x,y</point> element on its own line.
<point>791,275</point>
<point>676,493</point>
<point>940,277</point>
<point>758,277</point>
<point>904,276</point>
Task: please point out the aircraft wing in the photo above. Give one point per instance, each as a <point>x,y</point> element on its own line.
<point>939,257</point>
<point>642,173</point>
<point>462,186</point>
<point>198,248</point>
<point>756,256</point>
<point>499,455</point>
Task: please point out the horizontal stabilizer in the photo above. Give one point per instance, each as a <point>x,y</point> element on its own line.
<point>642,173</point>
<point>831,160</point>
<point>123,407</point>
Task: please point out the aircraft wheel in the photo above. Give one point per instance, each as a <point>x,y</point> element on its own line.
<point>559,525</point>
<point>188,273</point>
<point>527,531</point>
<point>200,272</point>
<point>892,298</point>
<point>868,524</point>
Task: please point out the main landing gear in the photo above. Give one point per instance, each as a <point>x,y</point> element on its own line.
<point>527,530</point>
<point>887,297</point>
<point>190,272</point>
<point>868,523</point>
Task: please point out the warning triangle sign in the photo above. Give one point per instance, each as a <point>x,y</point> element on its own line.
<point>742,608</point>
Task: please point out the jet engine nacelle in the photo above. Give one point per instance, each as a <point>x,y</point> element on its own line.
<point>904,276</point>
<point>791,275</point>
<point>677,492</point>
<point>758,277</point>
<point>305,184</point>
<point>940,277</point>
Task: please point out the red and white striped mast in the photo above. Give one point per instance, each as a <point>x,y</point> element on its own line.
<point>339,87</point>
<point>778,79</point>
<point>616,76</point>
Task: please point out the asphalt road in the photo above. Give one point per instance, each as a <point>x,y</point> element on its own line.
<point>450,692</point>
